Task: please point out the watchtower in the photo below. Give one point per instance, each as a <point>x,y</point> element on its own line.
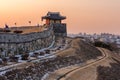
<point>55,19</point>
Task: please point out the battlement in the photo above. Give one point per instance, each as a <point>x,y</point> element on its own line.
<point>55,19</point>
<point>22,38</point>
<point>23,29</point>
<point>60,29</point>
<point>32,38</point>
<point>12,44</point>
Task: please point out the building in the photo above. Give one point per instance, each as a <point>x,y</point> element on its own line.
<point>55,19</point>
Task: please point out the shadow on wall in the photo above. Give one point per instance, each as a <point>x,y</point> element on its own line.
<point>109,73</point>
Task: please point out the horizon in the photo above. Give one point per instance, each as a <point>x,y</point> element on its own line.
<point>82,16</point>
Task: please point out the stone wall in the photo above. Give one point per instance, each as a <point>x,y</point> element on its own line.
<point>60,29</point>
<point>11,43</point>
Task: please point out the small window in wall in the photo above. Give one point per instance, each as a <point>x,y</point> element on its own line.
<point>58,21</point>
<point>51,21</point>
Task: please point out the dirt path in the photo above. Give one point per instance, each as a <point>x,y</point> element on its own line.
<point>68,72</point>
<point>88,72</point>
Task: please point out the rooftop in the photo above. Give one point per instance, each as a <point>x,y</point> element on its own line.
<point>54,15</point>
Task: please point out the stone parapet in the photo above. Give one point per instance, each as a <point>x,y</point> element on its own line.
<point>12,44</point>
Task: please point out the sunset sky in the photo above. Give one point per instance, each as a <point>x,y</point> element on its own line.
<point>91,16</point>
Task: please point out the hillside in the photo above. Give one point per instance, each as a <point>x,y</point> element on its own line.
<point>107,68</point>
<point>77,52</point>
<point>81,49</point>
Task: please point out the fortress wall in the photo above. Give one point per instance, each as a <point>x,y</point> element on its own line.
<point>60,29</point>
<point>20,38</point>
<point>21,43</point>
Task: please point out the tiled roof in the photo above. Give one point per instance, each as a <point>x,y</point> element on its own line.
<point>54,15</point>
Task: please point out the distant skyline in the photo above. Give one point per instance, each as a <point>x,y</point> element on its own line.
<point>90,16</point>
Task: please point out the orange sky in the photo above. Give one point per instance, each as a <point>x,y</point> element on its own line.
<point>91,16</point>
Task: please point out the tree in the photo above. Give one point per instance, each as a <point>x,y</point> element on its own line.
<point>47,51</point>
<point>4,61</point>
<point>13,59</point>
<point>103,45</point>
<point>25,56</point>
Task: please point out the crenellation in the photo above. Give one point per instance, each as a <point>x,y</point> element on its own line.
<point>16,43</point>
<point>13,44</point>
<point>20,38</point>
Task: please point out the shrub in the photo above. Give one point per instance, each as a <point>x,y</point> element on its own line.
<point>25,56</point>
<point>18,31</point>
<point>103,45</point>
